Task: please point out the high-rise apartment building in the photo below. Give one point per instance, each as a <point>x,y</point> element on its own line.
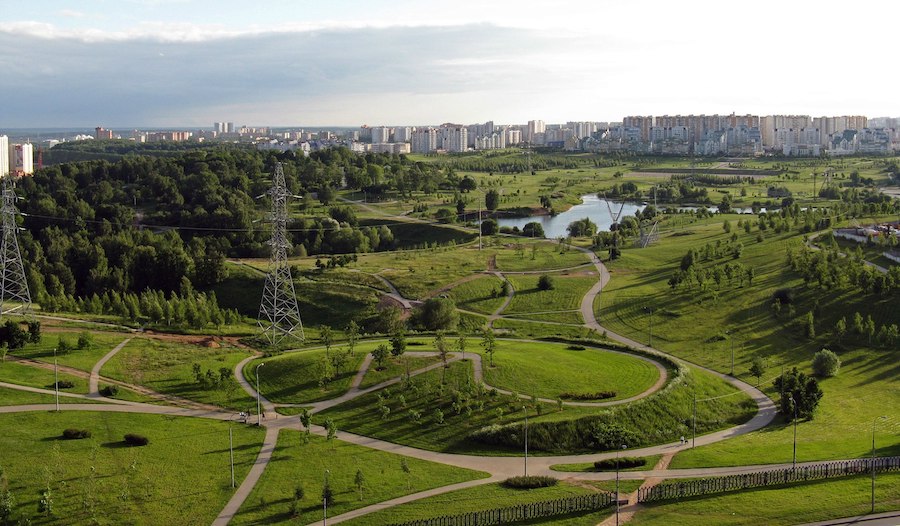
<point>534,130</point>
<point>21,159</point>
<point>424,140</point>
<point>223,127</point>
<point>102,133</point>
<point>4,155</point>
<point>380,134</point>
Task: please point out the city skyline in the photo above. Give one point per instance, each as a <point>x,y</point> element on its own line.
<point>166,63</point>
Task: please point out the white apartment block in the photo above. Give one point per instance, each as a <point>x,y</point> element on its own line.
<point>4,155</point>
<point>533,129</point>
<point>453,138</point>
<point>513,136</point>
<point>424,140</point>
<point>21,159</point>
<point>402,134</point>
<point>381,134</point>
<point>494,141</point>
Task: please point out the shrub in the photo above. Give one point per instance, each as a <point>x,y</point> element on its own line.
<point>599,395</point>
<point>825,363</point>
<point>136,440</point>
<point>76,434</point>
<point>784,296</point>
<point>530,482</point>
<point>545,282</point>
<point>609,464</point>
<point>109,391</point>
<point>65,384</point>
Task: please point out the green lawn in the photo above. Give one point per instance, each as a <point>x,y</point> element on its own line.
<point>809,502</point>
<point>181,477</point>
<point>298,464</point>
<point>568,317</point>
<point>83,359</point>
<point>512,327</point>
<point>567,292</point>
<point>17,397</point>
<point>588,467</point>
<point>293,378</point>
<point>481,294</point>
<point>546,255</point>
<point>656,419</point>
<point>548,370</point>
<point>488,496</point>
<point>17,373</point>
<point>167,367</point>
<point>395,368</point>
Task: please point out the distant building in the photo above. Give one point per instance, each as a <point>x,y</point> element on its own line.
<point>102,133</point>
<point>222,128</point>
<point>424,140</point>
<point>21,159</point>
<point>4,155</point>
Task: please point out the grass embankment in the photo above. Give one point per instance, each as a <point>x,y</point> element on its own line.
<point>395,368</point>
<point>407,414</point>
<point>383,479</point>
<point>481,294</point>
<point>82,359</point>
<point>566,294</point>
<point>167,368</point>
<point>488,496</point>
<point>181,477</point>
<point>694,324</point>
<point>16,397</point>
<point>808,502</point>
<point>294,377</point>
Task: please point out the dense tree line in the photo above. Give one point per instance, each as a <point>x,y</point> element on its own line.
<point>830,269</point>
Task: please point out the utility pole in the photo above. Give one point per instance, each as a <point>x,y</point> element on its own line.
<point>873,460</point>
<point>279,315</point>
<point>694,422</point>
<point>56,379</point>
<point>526,439</point>
<point>13,284</point>
<point>231,451</point>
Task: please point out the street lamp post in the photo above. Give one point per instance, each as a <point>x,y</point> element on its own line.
<point>649,310</point>
<point>526,439</point>
<point>624,446</point>
<point>694,422</point>
<point>873,460</point>
<point>258,411</point>
<point>231,451</point>
<point>325,500</point>
<point>56,378</point>
<point>794,462</point>
<point>731,337</point>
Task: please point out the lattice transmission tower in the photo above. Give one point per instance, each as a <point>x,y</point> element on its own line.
<point>279,316</point>
<point>14,295</point>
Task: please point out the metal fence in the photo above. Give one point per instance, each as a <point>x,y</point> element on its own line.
<point>775,477</point>
<point>533,510</point>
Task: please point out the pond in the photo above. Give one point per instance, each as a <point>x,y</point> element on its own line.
<point>598,211</point>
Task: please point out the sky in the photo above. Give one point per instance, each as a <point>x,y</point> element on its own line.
<point>188,63</point>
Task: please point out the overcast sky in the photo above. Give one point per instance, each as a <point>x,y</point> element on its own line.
<point>128,63</point>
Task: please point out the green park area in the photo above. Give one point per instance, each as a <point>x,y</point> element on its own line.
<point>435,338</point>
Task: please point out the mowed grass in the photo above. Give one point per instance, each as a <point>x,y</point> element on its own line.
<point>548,370</point>
<point>515,327</point>
<point>296,463</point>
<point>481,294</point>
<point>10,396</point>
<point>522,255</point>
<point>566,294</point>
<point>411,416</point>
<point>588,467</point>
<point>181,477</point>
<point>294,377</point>
<point>484,497</point>
<point>82,359</point>
<point>693,325</point>
<point>864,390</point>
<point>568,317</point>
<point>807,502</point>
<point>21,374</point>
<point>395,368</point>
<point>167,367</point>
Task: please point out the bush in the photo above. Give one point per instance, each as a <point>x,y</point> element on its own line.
<point>784,296</point>
<point>76,434</point>
<point>575,347</point>
<point>109,391</point>
<point>624,463</point>
<point>825,363</point>
<point>545,282</point>
<point>531,482</point>
<point>600,395</point>
<point>65,384</point>
<point>136,440</point>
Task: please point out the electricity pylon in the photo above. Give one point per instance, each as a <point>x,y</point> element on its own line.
<point>279,316</point>
<point>13,284</point>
